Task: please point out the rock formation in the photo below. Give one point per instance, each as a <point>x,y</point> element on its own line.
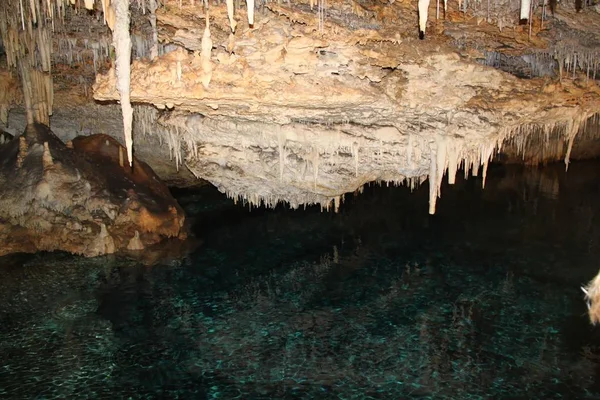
<point>305,101</point>
<point>81,197</point>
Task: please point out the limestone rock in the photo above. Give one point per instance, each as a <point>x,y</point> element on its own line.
<point>304,113</point>
<point>80,199</point>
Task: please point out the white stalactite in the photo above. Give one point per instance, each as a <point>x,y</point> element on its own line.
<point>453,162</point>
<point>525,8</point>
<point>442,161</point>
<point>433,192</point>
<point>122,44</point>
<point>250,5</point>
<point>572,130</point>
<point>232,22</point>
<point>205,54</point>
<point>154,49</point>
<point>423,12</point>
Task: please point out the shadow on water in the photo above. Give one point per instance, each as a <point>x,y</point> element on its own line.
<point>380,300</point>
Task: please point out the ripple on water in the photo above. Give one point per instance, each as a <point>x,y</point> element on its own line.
<point>74,307</point>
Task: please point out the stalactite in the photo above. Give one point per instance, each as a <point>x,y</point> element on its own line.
<point>154,48</point>
<point>28,51</point>
<point>433,193</point>
<point>423,13</point>
<point>572,131</point>
<point>232,21</point>
<point>484,174</point>
<point>250,5</point>
<point>453,162</point>
<point>206,54</point>
<point>122,44</point>
<point>337,201</point>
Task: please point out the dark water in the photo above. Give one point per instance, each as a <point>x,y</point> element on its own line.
<point>379,301</point>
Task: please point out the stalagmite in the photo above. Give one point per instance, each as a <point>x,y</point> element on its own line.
<point>135,243</point>
<point>423,12</point>
<point>122,44</point>
<point>47,157</point>
<point>23,148</point>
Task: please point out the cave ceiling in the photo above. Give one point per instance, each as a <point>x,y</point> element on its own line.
<point>303,102</point>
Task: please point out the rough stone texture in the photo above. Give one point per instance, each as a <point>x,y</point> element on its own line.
<point>9,95</point>
<point>303,111</point>
<point>82,118</point>
<point>77,197</point>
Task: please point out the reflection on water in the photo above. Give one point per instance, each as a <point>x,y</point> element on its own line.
<point>380,300</point>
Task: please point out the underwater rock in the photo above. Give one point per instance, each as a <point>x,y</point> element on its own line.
<point>81,198</point>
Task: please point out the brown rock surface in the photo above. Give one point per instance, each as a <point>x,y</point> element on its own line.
<point>303,110</point>
<point>315,99</point>
<point>78,198</point>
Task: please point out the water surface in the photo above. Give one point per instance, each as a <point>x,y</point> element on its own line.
<point>378,301</point>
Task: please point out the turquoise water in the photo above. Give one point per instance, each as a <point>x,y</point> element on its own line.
<point>379,301</point>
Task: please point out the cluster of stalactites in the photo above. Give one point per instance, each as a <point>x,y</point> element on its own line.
<point>572,59</point>
<point>26,29</point>
<point>527,136</point>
